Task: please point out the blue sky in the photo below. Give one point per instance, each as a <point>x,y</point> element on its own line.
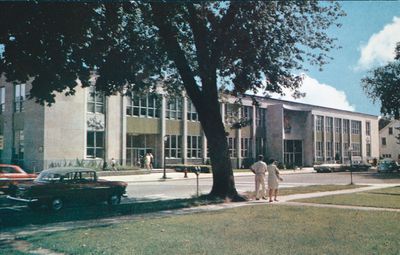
<point>367,37</point>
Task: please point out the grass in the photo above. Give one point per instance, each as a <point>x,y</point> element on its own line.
<point>259,229</point>
<point>309,189</point>
<point>384,198</point>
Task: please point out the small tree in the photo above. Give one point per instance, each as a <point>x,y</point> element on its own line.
<point>199,46</point>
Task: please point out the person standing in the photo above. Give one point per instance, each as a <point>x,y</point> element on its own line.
<point>113,164</point>
<point>259,168</point>
<point>273,177</point>
<point>147,161</point>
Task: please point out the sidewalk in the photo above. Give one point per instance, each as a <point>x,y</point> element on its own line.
<point>157,175</point>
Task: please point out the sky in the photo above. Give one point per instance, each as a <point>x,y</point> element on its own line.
<point>368,37</point>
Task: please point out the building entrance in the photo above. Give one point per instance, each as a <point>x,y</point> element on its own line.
<point>293,153</point>
<point>136,148</point>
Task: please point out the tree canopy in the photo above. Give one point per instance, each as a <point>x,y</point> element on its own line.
<point>383,84</point>
<point>200,46</point>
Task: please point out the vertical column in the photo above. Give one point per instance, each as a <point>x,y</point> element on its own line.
<point>204,150</point>
<point>253,133</point>
<point>342,141</point>
<point>163,129</point>
<point>123,104</point>
<point>185,129</point>
<point>315,137</point>
<point>334,138</point>
<point>238,143</point>
<point>324,137</point>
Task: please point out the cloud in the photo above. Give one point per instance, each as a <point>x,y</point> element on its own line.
<point>380,47</point>
<point>319,94</point>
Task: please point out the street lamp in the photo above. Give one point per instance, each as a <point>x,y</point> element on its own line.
<point>165,156</point>
<point>350,150</point>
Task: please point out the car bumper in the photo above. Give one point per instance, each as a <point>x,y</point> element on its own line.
<point>18,199</point>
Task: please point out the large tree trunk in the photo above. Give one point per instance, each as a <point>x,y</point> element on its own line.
<point>211,121</point>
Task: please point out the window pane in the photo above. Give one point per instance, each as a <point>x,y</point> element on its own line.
<point>99,139</point>
<point>90,139</point>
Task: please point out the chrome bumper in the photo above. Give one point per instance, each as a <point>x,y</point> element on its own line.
<point>22,199</point>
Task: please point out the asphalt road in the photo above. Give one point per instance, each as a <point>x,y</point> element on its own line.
<point>183,188</point>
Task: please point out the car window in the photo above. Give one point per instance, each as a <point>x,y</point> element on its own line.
<point>49,177</point>
<point>8,170</point>
<point>84,177</point>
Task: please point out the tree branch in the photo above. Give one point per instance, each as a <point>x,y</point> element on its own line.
<point>175,52</point>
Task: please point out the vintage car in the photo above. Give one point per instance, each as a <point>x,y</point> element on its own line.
<point>11,175</point>
<point>56,187</point>
<point>327,168</point>
<point>387,166</point>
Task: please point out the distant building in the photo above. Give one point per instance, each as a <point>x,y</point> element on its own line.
<point>389,142</point>
<point>89,127</point>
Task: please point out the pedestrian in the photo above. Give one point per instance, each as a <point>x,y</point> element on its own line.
<point>273,177</point>
<point>259,168</point>
<point>147,161</point>
<point>113,164</point>
<point>151,160</point>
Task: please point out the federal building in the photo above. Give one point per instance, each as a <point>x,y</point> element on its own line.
<point>91,128</point>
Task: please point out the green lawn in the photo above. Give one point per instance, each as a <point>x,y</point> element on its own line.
<point>309,189</point>
<point>385,198</point>
<point>259,229</point>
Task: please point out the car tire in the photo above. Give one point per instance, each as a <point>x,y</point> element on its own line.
<point>56,204</point>
<point>114,199</point>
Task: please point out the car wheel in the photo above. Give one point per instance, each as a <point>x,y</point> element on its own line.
<point>114,199</point>
<point>56,204</point>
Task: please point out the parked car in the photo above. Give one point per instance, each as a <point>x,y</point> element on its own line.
<point>11,175</point>
<point>327,168</point>
<point>359,166</point>
<point>387,166</point>
<point>57,186</point>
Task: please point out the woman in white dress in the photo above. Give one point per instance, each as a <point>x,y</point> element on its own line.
<point>273,177</point>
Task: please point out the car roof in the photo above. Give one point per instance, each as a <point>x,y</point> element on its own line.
<point>64,170</point>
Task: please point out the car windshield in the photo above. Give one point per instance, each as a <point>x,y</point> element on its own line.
<point>48,177</point>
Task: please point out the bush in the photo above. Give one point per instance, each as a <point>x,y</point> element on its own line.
<point>191,168</point>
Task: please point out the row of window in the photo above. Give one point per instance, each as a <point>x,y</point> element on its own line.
<point>330,155</point>
<point>335,123</point>
<point>19,98</point>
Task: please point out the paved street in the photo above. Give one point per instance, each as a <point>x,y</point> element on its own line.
<point>152,186</point>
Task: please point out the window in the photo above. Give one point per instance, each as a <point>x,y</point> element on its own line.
<point>356,149</point>
<point>386,155</point>
<point>260,145</point>
<point>232,147</point>
<point>320,123</point>
<point>191,112</point>
<point>95,100</point>
<point>231,113</point>
<point>194,146</point>
<point>368,128</point>
<point>174,108</point>
<point>383,140</point>
<point>173,146</point>
<point>19,97</point>
<point>368,150</point>
<point>2,99</point>
<point>246,112</point>
<point>390,131</point>
<point>329,124</point>
<point>18,147</point>
<point>329,151</point>
<point>144,106</point>
<point>355,127</point>
<point>338,150</point>
<point>95,144</point>
<point>346,126</point>
<point>319,151</point>
<point>338,125</point>
<point>260,117</point>
<point>245,147</point>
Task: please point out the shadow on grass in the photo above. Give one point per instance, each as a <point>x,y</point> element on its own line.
<point>383,176</point>
<point>24,216</point>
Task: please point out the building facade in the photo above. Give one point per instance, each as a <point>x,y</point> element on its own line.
<point>89,127</point>
<point>389,141</point>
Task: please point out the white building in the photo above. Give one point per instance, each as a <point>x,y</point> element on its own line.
<point>89,127</point>
<point>389,142</point>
